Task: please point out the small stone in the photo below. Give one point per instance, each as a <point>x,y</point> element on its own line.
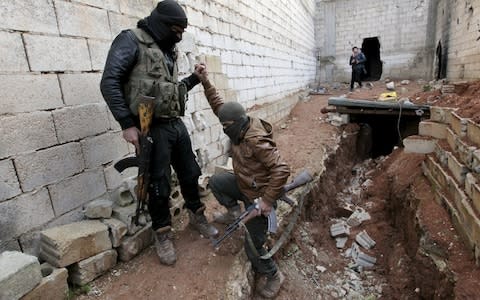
<point>405,82</point>
<point>321,269</point>
<point>283,126</point>
<point>97,209</point>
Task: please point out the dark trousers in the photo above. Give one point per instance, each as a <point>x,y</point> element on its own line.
<point>356,76</point>
<point>171,146</point>
<point>225,188</point>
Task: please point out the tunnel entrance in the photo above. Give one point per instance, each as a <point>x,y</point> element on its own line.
<point>379,134</point>
<point>374,66</point>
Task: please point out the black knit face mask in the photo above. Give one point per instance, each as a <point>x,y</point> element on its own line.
<point>236,130</point>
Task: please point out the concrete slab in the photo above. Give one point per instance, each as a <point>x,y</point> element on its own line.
<point>19,274</point>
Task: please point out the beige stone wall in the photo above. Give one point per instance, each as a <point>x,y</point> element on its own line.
<point>458,30</point>
<point>59,139</point>
<point>401,27</point>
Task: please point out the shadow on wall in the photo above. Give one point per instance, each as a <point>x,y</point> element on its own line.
<point>374,65</point>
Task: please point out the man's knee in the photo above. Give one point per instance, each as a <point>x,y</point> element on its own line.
<point>219,182</point>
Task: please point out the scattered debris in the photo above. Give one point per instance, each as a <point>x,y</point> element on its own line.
<point>339,229</point>
<point>448,89</point>
<point>390,86</point>
<point>364,240</point>
<point>389,96</point>
<point>321,269</point>
<point>341,242</point>
<point>405,82</point>
<point>361,259</point>
<point>358,216</point>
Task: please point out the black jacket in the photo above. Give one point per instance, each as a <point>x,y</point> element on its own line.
<point>121,59</point>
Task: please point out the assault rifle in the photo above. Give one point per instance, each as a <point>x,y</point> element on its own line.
<point>301,179</point>
<point>146,108</point>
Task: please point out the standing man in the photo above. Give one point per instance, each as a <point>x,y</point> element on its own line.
<point>357,61</point>
<point>142,61</point>
<point>259,176</point>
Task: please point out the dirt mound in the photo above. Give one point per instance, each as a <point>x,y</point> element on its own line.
<point>465,97</point>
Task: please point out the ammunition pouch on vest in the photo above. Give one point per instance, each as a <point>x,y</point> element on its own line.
<point>151,77</point>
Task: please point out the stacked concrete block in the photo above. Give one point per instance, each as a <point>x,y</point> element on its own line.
<point>103,149</point>
<point>99,209</point>
<point>452,170</point>
<point>116,230</point>
<point>52,286</point>
<point>64,245</point>
<point>20,274</point>
<point>133,245</point>
<point>87,270</point>
<point>433,129</point>
<point>416,144</point>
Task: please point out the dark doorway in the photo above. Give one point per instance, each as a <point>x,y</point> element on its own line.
<point>441,69</point>
<point>374,66</point>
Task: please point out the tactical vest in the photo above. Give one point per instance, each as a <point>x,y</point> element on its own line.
<point>151,77</point>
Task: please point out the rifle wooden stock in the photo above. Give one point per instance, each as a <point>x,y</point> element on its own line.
<point>146,108</point>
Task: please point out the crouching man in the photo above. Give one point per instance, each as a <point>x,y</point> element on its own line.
<point>259,175</point>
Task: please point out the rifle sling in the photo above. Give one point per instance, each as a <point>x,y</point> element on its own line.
<point>283,238</point>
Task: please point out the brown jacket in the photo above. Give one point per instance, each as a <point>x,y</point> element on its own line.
<point>258,167</point>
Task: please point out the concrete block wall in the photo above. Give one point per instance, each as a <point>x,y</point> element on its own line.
<point>454,171</point>
<point>457,29</point>
<point>401,27</point>
<point>59,139</point>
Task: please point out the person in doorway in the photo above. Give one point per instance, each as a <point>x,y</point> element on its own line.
<point>357,61</point>
<point>259,174</point>
<point>142,61</point>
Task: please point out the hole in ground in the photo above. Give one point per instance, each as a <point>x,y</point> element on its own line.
<point>312,261</point>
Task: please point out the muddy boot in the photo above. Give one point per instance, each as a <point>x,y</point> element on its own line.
<point>272,285</point>
<point>164,246</point>
<point>229,217</point>
<point>199,222</point>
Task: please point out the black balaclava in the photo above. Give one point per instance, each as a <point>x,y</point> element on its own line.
<point>233,111</point>
<point>160,21</point>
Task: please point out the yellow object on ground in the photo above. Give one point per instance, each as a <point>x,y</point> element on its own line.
<point>389,96</point>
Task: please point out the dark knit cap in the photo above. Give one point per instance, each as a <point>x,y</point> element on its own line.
<point>171,13</point>
<point>231,111</point>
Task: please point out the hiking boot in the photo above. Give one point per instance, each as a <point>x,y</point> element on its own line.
<point>200,223</point>
<point>229,217</point>
<point>164,246</point>
<point>272,285</point>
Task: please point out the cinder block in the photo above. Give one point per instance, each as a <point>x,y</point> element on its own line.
<point>98,53</point>
<point>99,209</point>
<point>53,285</point>
<point>458,124</point>
<point>440,114</point>
<point>214,64</point>
<point>458,170</point>
<point>452,139</point>
<point>26,132</point>
<point>75,191</point>
<point>10,245</point>
<point>126,215</point>
<point>82,88</point>
<point>42,52</point>
<point>441,154</point>
<point>48,166</point>
<point>119,22</point>
<point>64,245</point>
<point>103,149</point>
<point>105,4</point>
<point>77,122</point>
<point>117,230</point>
<point>82,20</point>
<point>26,93</point>
<point>416,144</point>
<point>24,213</point>
<point>88,269</point>
<point>465,153</point>
<point>473,132</point>
<point>20,274</point>
<point>28,15</point>
<point>137,8</point>
<point>115,179</point>
<point>12,53</point>
<point>9,186</point>
<point>133,245</point>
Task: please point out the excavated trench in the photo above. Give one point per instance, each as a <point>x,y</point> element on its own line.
<point>408,263</point>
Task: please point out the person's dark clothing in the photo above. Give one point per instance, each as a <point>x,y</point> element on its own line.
<point>171,141</point>
<point>358,66</point>
<point>225,188</point>
<point>120,61</point>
